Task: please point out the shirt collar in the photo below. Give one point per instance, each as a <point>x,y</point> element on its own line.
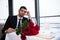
<point>19,17</point>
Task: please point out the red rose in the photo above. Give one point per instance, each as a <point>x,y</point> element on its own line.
<point>34,32</point>
<point>23,36</point>
<point>37,27</point>
<point>31,30</point>
<point>26,31</point>
<point>31,24</point>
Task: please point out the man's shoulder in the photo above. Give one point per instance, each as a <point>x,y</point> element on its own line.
<point>13,16</point>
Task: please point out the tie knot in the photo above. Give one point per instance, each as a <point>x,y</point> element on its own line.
<point>20,19</point>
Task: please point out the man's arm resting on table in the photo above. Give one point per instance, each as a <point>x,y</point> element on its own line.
<point>9,30</point>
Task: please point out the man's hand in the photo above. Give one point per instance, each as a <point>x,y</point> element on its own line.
<point>9,30</point>
<point>28,14</point>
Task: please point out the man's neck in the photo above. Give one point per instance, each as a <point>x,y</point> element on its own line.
<point>20,17</point>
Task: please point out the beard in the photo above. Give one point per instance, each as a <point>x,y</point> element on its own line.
<point>21,15</point>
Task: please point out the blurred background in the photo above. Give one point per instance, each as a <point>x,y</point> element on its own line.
<point>45,13</point>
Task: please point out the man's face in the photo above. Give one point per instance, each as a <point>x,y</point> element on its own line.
<point>22,12</point>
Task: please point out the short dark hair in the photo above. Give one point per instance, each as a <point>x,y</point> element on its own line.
<point>23,7</point>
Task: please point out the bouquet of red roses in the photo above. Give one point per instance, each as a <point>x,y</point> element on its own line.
<point>28,29</point>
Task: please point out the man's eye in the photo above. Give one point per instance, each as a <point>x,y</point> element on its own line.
<point>25,12</point>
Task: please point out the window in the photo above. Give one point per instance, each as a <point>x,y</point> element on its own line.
<point>49,11</point>
<point>30,4</point>
<point>3,10</point>
<point>50,15</point>
<point>49,7</point>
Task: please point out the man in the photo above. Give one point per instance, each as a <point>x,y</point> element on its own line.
<point>12,21</point>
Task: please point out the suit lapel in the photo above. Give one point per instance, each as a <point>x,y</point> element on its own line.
<point>15,21</point>
<point>23,19</point>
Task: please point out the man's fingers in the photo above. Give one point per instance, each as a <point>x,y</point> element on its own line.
<point>10,30</point>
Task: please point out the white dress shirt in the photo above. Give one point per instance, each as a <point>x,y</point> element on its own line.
<point>18,20</point>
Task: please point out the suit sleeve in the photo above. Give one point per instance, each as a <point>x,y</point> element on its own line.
<point>29,20</point>
<point>7,24</point>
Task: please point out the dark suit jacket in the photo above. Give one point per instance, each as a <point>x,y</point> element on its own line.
<point>11,23</point>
